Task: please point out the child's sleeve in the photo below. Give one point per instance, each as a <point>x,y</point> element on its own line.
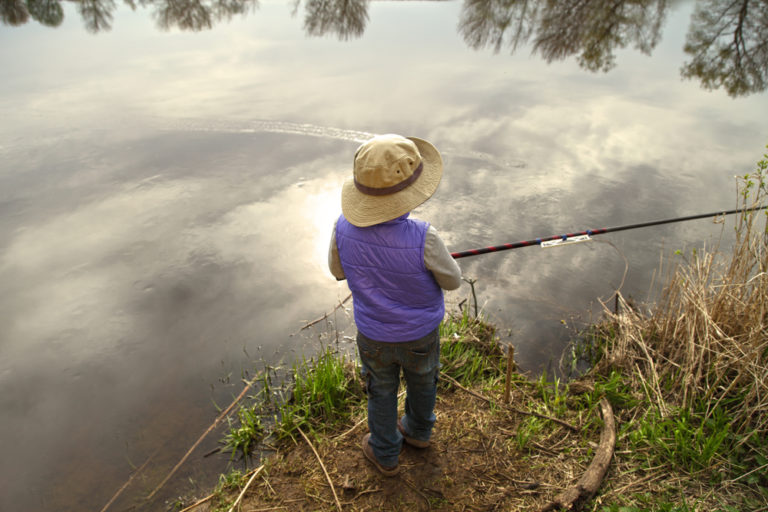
<point>439,261</point>
<point>334,262</point>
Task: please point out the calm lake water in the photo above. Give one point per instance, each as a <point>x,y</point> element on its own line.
<point>169,176</point>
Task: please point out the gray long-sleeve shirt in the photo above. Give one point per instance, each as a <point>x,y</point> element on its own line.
<point>437,259</point>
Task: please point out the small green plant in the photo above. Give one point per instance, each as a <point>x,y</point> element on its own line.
<point>656,507</point>
<point>528,429</point>
<point>243,436</point>
<point>616,390</point>
<point>228,484</point>
<point>589,346</point>
<point>553,394</point>
<point>755,183</point>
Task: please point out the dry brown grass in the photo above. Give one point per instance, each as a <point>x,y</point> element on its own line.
<point>706,340</point>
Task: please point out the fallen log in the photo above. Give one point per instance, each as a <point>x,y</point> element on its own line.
<point>575,496</point>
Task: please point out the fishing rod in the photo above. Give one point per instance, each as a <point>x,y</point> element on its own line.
<point>584,236</point>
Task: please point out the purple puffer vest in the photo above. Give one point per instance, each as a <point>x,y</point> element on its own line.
<point>396,297</point>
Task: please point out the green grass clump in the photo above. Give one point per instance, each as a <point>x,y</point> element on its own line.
<point>326,391</point>
<point>528,429</point>
<point>552,394</point>
<point>322,393</point>
<point>244,434</point>
<point>684,440</point>
<point>653,506</point>
<point>469,349</point>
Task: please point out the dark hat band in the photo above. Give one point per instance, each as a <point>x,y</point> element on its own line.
<point>373,191</point>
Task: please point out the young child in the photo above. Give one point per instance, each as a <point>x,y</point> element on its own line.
<point>396,268</point>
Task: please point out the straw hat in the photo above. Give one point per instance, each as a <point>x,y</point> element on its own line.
<point>392,176</point>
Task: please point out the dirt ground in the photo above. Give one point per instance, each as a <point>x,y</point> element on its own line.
<point>474,463</point>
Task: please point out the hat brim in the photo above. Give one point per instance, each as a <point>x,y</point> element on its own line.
<point>364,210</point>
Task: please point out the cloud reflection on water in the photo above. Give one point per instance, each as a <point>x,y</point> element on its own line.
<point>80,267</point>
<point>141,284</point>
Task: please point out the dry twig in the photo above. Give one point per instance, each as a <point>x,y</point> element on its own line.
<point>198,503</point>
<point>327,477</point>
<point>215,423</point>
<point>245,488</point>
<point>128,482</point>
<point>326,315</point>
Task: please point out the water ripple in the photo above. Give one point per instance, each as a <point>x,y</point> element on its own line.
<point>313,130</point>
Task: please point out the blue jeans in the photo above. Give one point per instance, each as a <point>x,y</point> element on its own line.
<point>381,364</point>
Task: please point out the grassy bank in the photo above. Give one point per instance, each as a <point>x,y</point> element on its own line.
<point>686,380</point>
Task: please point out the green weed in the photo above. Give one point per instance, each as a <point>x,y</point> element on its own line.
<point>228,484</point>
<point>243,436</point>
<point>553,394</point>
<point>527,430</point>
<point>617,390</point>
<point>685,440</point>
<point>325,393</point>
<point>469,350</point>
<point>589,347</point>
<point>656,507</point>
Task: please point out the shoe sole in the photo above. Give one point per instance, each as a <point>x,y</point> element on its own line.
<point>368,452</point>
<point>411,441</point>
